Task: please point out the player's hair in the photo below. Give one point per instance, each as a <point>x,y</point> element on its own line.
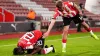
<point>58,3</point>
<point>18,51</point>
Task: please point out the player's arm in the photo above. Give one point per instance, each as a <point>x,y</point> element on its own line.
<point>78,8</point>
<point>56,14</point>
<point>51,25</point>
<point>53,20</point>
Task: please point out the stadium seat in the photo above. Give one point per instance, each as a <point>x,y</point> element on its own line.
<point>13,7</point>
<point>9,17</point>
<point>1,10</point>
<point>41,7</point>
<point>1,17</point>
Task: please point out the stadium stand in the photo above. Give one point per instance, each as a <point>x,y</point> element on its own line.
<point>1,10</point>
<point>39,9</point>
<point>10,5</point>
<point>1,17</point>
<point>9,16</point>
<point>6,16</point>
<point>43,8</point>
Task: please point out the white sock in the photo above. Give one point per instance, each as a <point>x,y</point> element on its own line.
<point>64,45</point>
<point>47,50</point>
<point>91,32</point>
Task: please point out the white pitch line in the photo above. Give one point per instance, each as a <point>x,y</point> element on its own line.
<point>7,45</point>
<point>70,38</point>
<point>47,41</point>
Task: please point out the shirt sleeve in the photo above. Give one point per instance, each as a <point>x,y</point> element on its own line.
<point>56,14</point>
<point>71,3</point>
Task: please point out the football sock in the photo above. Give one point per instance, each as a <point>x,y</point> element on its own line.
<point>64,43</point>
<point>47,50</point>
<point>91,32</point>
<point>88,29</point>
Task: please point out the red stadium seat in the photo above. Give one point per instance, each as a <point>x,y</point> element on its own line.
<point>1,17</point>
<point>13,7</point>
<point>9,17</point>
<point>1,10</point>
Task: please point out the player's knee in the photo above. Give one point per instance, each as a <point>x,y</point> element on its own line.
<point>43,51</point>
<point>65,31</point>
<point>82,22</point>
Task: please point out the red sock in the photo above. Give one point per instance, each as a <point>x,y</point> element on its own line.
<point>43,51</point>
<point>88,29</point>
<point>64,40</point>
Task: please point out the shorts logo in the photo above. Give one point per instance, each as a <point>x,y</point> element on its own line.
<point>81,17</point>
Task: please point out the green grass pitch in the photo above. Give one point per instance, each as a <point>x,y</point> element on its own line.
<point>78,44</point>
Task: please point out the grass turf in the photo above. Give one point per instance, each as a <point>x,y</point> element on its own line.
<point>79,44</point>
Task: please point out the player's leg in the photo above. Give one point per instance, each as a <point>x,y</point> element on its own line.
<point>47,49</point>
<point>78,19</point>
<point>86,26</point>
<point>66,22</point>
<point>64,38</point>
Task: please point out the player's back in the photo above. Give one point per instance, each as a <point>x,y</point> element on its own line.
<point>70,5</point>
<point>29,38</point>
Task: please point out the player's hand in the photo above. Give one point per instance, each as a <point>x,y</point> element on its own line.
<point>46,34</point>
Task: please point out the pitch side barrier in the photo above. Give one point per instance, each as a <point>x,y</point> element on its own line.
<point>10,27</point>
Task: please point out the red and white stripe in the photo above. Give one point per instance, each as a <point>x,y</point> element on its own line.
<point>69,10</point>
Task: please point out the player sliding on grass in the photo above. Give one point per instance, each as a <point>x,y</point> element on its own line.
<point>33,43</point>
<point>69,12</point>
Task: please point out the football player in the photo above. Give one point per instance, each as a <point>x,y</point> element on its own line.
<point>32,42</point>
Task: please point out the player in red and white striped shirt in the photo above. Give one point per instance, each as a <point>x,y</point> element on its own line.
<point>32,42</point>
<point>70,12</point>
